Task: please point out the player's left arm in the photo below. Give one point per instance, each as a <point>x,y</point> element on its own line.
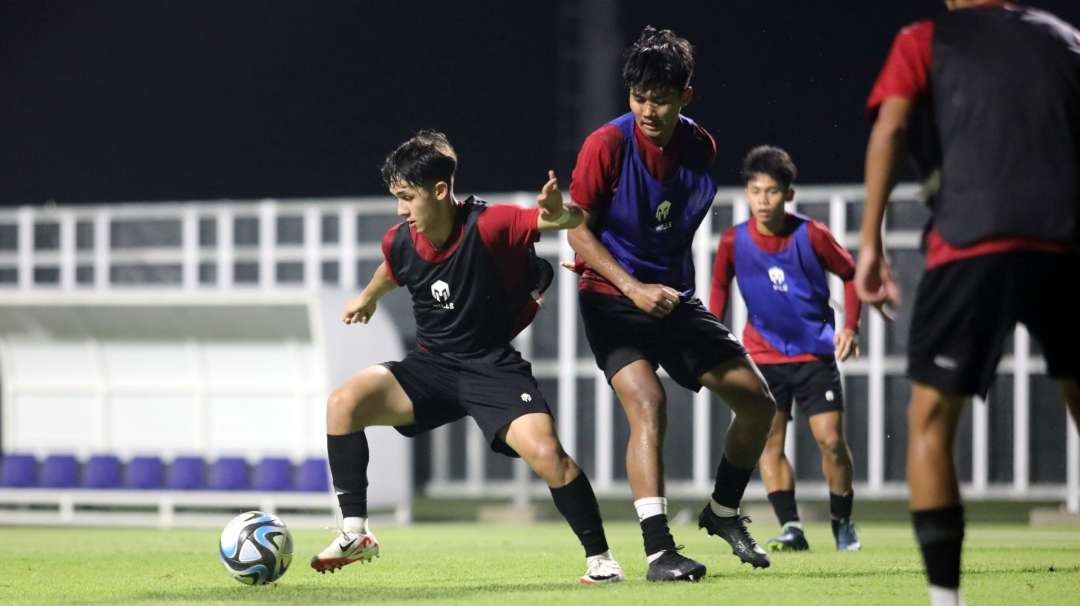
<point>554,215</point>
<point>837,260</point>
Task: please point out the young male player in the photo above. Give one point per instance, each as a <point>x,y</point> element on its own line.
<point>779,260</point>
<point>644,183</point>
<point>472,272</point>
<point>988,96</point>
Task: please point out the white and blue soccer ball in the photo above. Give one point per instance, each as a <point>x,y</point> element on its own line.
<point>256,548</point>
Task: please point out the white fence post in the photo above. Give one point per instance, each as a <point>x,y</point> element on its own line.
<point>267,244</point>
<point>189,243</point>
<point>567,349</point>
<point>1021,408</point>
<point>703,247</point>
<point>102,249</point>
<point>26,248</point>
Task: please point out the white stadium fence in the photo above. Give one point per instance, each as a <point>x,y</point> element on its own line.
<point>255,255</point>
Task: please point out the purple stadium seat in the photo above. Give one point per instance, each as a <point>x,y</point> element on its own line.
<point>60,471</point>
<point>146,473</point>
<point>101,471</point>
<point>313,475</point>
<point>18,470</point>
<point>186,473</point>
<point>229,473</point>
<point>273,473</point>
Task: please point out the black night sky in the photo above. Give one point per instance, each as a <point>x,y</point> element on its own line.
<point>177,100</point>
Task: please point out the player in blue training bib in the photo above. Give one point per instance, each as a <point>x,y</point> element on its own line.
<point>780,260</point>
<point>645,182</point>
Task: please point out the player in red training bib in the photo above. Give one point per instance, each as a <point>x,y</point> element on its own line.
<point>471,272</point>
<point>987,99</point>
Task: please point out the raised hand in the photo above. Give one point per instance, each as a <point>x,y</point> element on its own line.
<point>550,199</point>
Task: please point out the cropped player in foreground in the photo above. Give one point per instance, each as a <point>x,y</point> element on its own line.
<point>644,180</point>
<point>779,260</point>
<point>987,98</point>
<point>475,281</point>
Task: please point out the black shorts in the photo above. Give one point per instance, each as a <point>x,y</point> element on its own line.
<point>494,388</point>
<point>965,310</point>
<point>687,343</point>
<point>815,386</point>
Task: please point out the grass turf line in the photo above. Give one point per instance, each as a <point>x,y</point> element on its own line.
<point>537,564</point>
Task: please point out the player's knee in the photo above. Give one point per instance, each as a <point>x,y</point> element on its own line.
<point>341,403</point>
<point>649,413</point>
<point>759,409</point>
<point>346,406</point>
<point>546,457</point>
<point>832,446</point>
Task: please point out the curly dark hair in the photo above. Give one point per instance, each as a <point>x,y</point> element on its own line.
<point>658,60</point>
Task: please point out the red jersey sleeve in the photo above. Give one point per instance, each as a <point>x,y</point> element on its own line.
<point>837,260</point>
<point>387,241</point>
<point>592,184</point>
<point>723,272</point>
<point>504,228</point>
<point>906,72</point>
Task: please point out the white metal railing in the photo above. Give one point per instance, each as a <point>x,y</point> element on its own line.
<point>567,367</point>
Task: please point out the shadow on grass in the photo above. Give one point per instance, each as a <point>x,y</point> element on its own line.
<point>905,571</point>
<point>370,593</point>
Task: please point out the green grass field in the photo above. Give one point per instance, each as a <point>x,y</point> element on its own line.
<point>533,564</point>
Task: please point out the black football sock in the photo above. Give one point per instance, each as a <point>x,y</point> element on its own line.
<point>940,533</point>
<point>840,506</point>
<point>577,503</point>
<point>783,503</point>
<point>731,483</point>
<point>348,467</point>
<point>657,536</point>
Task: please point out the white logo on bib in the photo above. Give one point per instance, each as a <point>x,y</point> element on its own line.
<point>776,276</point>
<point>662,212</point>
<point>440,291</point>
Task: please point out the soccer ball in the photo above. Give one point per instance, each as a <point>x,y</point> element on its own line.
<point>256,548</point>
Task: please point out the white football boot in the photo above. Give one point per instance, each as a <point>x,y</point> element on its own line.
<point>347,548</point>
<point>601,569</point>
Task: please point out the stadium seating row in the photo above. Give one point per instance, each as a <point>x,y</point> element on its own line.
<point>151,473</point>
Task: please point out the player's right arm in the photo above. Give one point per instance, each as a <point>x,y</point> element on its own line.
<point>360,309</point>
<point>591,188</point>
<point>874,280</point>
<point>654,299</point>
<point>903,80</point>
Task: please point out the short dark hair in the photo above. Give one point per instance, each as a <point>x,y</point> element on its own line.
<point>423,160</point>
<point>658,60</point>
<point>772,161</point>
